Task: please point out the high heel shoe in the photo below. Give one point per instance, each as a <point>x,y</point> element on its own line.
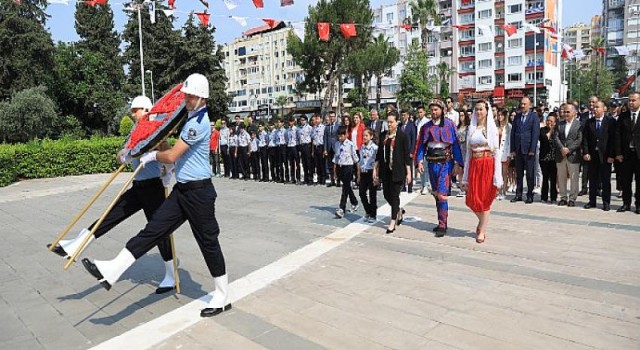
<point>391,231</point>
<point>399,221</point>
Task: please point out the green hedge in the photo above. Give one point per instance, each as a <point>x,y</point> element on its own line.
<point>58,158</point>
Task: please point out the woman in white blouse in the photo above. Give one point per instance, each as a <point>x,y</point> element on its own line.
<point>483,165</point>
<point>504,140</point>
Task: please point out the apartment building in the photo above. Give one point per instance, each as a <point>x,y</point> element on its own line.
<point>621,27</point>
<point>579,36</point>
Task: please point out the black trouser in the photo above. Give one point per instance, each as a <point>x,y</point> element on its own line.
<point>599,177</point>
<point>243,160</point>
<point>226,159</point>
<point>273,163</point>
<point>254,161</point>
<point>549,176</point>
<point>283,170</point>
<point>307,165</point>
<point>264,163</point>
<point>147,195</point>
<point>366,184</point>
<point>585,175</point>
<point>391,193</point>
<point>234,161</point>
<point>214,157</point>
<point>630,167</point>
<point>335,178</point>
<point>525,162</point>
<point>345,173</point>
<point>294,163</point>
<point>194,202</point>
<point>319,161</point>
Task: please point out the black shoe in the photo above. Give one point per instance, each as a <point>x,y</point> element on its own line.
<point>440,231</point>
<point>606,207</point>
<point>582,192</point>
<point>529,200</point>
<point>571,204</point>
<point>516,199</point>
<point>391,231</point>
<point>93,270</point>
<point>624,208</point>
<point>162,290</point>
<point>331,184</point>
<point>210,311</point>
<point>58,250</point>
<point>589,206</point>
<point>399,221</point>
<point>562,202</point>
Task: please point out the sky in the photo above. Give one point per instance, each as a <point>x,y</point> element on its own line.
<point>61,22</point>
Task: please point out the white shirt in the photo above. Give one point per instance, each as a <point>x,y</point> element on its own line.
<point>354,136</point>
<point>567,127</point>
<point>453,115</point>
<point>478,142</point>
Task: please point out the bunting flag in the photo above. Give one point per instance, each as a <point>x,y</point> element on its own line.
<point>432,28</point>
<point>407,27</point>
<point>462,26</point>
<point>484,31</point>
<point>579,54</point>
<point>258,4</point>
<point>600,50</point>
<point>567,52</point>
<point>230,4</point>
<point>348,30</point>
<point>152,12</point>
<point>528,27</point>
<point>172,4</point>
<point>58,2</point>
<point>284,3</point>
<point>622,50</point>
<point>168,13</point>
<point>446,22</point>
<point>510,29</point>
<point>241,20</point>
<point>204,3</point>
<point>91,3</point>
<point>554,37</point>
<point>270,22</point>
<point>204,18</point>
<point>18,2</point>
<point>298,29</point>
<point>549,28</point>
<point>323,31</point>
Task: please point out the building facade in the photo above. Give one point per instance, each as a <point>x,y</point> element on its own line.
<point>579,36</point>
<point>621,27</point>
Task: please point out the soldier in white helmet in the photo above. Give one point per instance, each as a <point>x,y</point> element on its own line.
<point>192,199</point>
<point>147,194</point>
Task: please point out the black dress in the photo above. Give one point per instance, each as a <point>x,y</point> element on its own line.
<point>548,165</point>
<point>394,152</point>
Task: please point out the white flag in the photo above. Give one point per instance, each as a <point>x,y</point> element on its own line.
<point>230,4</point>
<point>578,54</point>
<point>152,12</point>
<point>435,29</point>
<point>622,50</point>
<point>484,31</point>
<point>59,2</point>
<point>528,27</point>
<point>168,13</point>
<point>298,29</point>
<point>241,20</point>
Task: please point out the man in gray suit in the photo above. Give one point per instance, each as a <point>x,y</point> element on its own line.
<point>568,153</point>
<point>330,139</point>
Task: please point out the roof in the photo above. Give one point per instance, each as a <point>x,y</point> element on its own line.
<point>263,29</point>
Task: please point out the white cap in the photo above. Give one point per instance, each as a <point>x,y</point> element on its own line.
<point>141,102</point>
<point>197,85</point>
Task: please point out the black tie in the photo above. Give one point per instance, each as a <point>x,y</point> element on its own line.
<point>598,127</point>
<point>634,117</point>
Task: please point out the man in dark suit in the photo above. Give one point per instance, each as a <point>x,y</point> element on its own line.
<point>568,140</point>
<point>330,139</point>
<point>585,115</point>
<point>599,151</point>
<point>409,129</point>
<point>378,126</point>
<point>524,142</point>
<point>627,146</point>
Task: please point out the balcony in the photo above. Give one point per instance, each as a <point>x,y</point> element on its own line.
<point>616,4</point>
<point>466,4</point>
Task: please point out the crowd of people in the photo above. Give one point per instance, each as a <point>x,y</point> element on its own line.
<point>548,149</point>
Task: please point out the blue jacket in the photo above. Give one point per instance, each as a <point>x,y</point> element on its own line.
<point>410,131</point>
<point>524,136</point>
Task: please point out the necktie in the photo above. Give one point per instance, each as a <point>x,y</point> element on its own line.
<point>374,125</point>
<point>634,117</point>
<point>598,126</point>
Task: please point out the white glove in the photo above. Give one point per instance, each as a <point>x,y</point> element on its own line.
<point>169,170</point>
<point>124,157</point>
<point>148,157</point>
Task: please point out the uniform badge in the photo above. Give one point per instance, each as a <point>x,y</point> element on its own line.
<point>192,134</point>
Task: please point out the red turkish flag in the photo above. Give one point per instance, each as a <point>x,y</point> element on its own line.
<point>323,31</point>
<point>204,18</point>
<point>91,3</point>
<point>284,3</point>
<point>172,4</point>
<point>600,50</point>
<point>462,26</point>
<point>270,22</point>
<point>100,2</point>
<point>348,30</point>
<point>549,28</point>
<point>510,29</point>
<point>258,4</point>
<point>406,27</point>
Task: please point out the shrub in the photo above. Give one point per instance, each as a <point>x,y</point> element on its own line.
<point>364,111</point>
<point>126,124</point>
<point>30,114</point>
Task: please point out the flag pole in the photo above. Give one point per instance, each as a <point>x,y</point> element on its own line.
<point>141,52</point>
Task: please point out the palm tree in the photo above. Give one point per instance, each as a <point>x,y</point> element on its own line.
<point>596,46</point>
<point>444,74</point>
<point>424,12</point>
<point>382,60</point>
<point>281,101</point>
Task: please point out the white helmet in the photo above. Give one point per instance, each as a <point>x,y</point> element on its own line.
<point>141,102</point>
<point>197,85</point>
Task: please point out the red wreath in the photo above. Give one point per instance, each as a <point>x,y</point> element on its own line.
<point>162,110</point>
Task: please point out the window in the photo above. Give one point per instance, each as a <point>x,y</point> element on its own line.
<point>467,50</point>
<point>514,8</point>
<point>485,80</point>
<point>467,18</point>
<point>485,14</point>
<point>467,66</point>
<point>390,17</point>
<point>514,77</point>
<point>499,62</point>
<point>467,34</point>
<point>514,43</point>
<point>515,60</point>
<point>488,63</point>
<point>539,75</point>
<point>632,34</point>
<point>484,47</point>
<point>403,43</point>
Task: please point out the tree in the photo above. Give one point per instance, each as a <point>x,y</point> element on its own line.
<point>444,74</point>
<point>200,54</point>
<point>383,57</point>
<point>415,82</point>
<point>325,62</point>
<point>620,70</point>
<point>280,102</point>
<point>30,114</point>
<point>161,46</point>
<point>586,84</point>
<point>26,57</point>
<point>425,12</point>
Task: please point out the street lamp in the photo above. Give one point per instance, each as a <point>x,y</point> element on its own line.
<point>153,96</point>
<point>535,71</point>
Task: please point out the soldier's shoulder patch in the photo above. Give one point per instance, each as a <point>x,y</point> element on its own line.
<point>192,133</point>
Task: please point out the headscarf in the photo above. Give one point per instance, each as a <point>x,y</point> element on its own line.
<point>492,141</point>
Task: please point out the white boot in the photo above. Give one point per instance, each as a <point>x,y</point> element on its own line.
<point>71,245</point>
<point>221,294</point>
<point>111,270</point>
<point>169,281</point>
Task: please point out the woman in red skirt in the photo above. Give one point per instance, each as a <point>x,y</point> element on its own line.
<point>483,168</point>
